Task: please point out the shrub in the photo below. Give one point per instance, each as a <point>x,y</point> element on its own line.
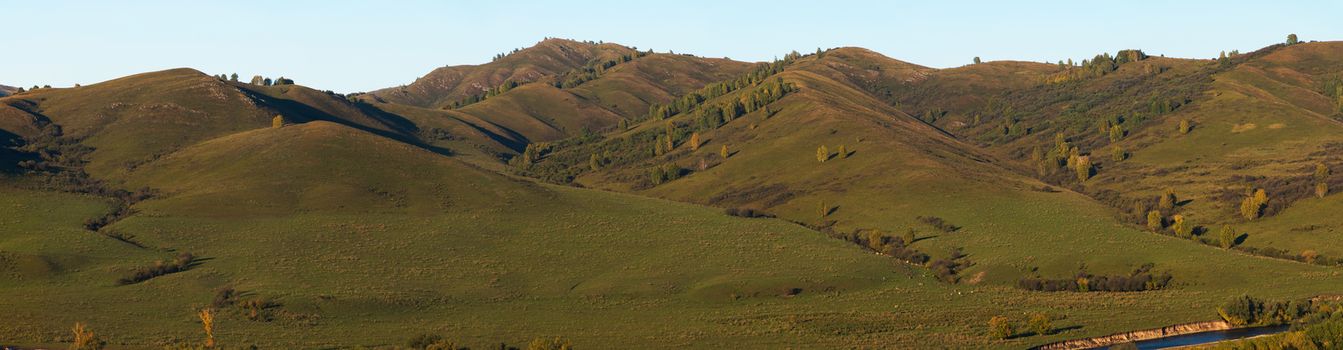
<point>1040,324</point>
<point>181,263</point>
<point>1240,311</point>
<point>556,343</point>
<point>747,213</point>
<point>1154,221</point>
<point>822,154</point>
<point>1001,328</point>
<point>277,122</point>
<point>938,223</point>
<point>84,338</point>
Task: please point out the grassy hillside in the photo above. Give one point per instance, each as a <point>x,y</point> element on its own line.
<point>367,220</point>
<point>550,57</point>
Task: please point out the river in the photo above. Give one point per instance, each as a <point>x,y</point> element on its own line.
<point>1208,337</point>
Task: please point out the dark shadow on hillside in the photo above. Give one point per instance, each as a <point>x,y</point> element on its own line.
<point>403,129</point>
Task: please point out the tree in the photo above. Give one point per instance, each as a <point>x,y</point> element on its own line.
<point>1083,168</point>
<point>1228,237</point>
<point>1253,205</point>
<point>909,236</point>
<point>1167,200</point>
<point>1040,324</point>
<point>208,323</point>
<point>84,338</point>
<point>843,152</point>
<point>1291,39</point>
<point>624,124</point>
<point>594,162</point>
<point>266,82</point>
<point>233,77</point>
<point>1155,221</point>
<point>824,209</point>
<point>1321,180</point>
<point>822,154</point>
<point>1179,227</point>
<point>723,152</point>
<point>277,122</point>
<point>1184,127</point>
<point>257,80</point>
<point>1117,154</point>
<point>1001,328</point>
<point>977,61</point>
<point>694,141</point>
<point>1240,311</point>
<point>1116,133</point>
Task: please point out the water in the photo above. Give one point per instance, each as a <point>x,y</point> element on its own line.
<point>1208,337</point>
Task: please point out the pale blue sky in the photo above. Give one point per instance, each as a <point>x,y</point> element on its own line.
<point>352,46</point>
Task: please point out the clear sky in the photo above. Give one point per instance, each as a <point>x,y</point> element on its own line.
<point>351,46</point>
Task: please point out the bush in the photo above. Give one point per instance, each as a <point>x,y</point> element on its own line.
<point>938,223</point>
<point>1040,323</point>
<point>746,213</point>
<point>1141,279</point>
<point>181,263</point>
<point>1001,328</point>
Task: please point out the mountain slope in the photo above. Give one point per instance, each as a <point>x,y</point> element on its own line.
<point>550,57</point>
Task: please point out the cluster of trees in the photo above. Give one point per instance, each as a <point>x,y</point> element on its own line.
<point>753,78</point>
<point>1064,155</point>
<point>665,173</point>
<point>1247,310</point>
<point>1002,327</point>
<point>530,154</point>
<point>712,117</point>
<point>1252,206</point>
<point>490,92</point>
<point>591,71</point>
<point>887,243</point>
<point>1141,279</point>
<point>823,153</point>
<point>1097,66</point>
<point>264,81</point>
<point>180,263</point>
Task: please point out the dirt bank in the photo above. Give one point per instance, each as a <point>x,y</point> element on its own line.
<point>1139,335</point>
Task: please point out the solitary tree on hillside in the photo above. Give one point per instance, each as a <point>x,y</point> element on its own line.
<point>1228,236</point>
<point>1184,127</point>
<point>1040,324</point>
<point>977,61</point>
<point>1321,180</point>
<point>694,141</point>
<point>208,324</point>
<point>257,80</point>
<point>277,122</point>
<point>1116,133</point>
<point>594,162</point>
<point>84,338</point>
<point>266,82</point>
<point>1000,327</point>
<point>1117,153</point>
<point>723,152</point>
<point>822,154</point>
<point>233,77</point>
<point>843,152</point>
<point>1253,205</point>
<point>1291,39</point>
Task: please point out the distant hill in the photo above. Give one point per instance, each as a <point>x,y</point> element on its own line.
<point>6,90</point>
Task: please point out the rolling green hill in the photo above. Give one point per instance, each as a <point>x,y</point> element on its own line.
<point>529,212</point>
